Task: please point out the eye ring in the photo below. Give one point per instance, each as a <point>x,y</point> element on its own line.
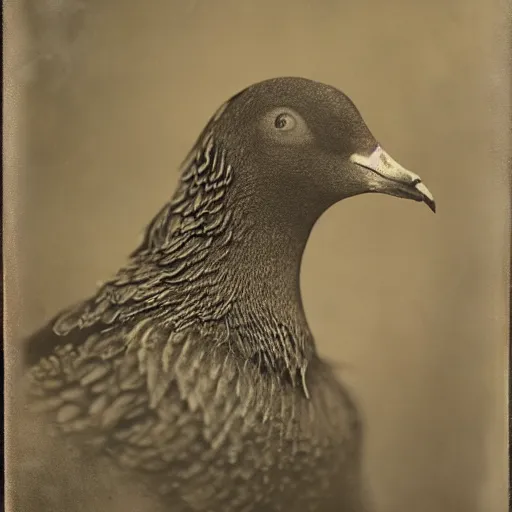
<point>285,122</point>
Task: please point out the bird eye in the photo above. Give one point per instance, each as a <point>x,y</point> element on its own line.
<point>285,122</point>
<point>283,125</point>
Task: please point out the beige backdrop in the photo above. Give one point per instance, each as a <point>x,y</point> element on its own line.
<point>411,305</point>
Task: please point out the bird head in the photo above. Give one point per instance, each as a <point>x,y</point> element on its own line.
<point>301,138</point>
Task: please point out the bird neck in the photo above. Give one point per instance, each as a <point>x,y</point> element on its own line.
<point>233,258</point>
<point>228,252</point>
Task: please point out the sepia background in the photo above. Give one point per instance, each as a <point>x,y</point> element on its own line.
<point>412,306</point>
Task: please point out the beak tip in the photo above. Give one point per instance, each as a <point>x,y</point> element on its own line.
<point>427,196</point>
<point>431,204</point>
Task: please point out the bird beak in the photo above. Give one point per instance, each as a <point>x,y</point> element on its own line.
<point>389,177</point>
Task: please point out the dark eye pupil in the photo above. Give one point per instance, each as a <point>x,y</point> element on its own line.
<point>281,121</point>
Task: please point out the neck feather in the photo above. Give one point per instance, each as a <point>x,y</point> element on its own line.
<point>213,256</point>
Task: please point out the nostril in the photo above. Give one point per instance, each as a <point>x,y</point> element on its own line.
<point>416,181</point>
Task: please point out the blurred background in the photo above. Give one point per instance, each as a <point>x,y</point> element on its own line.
<point>413,307</point>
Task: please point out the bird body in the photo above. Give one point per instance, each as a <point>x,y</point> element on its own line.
<point>195,422</point>
<point>194,370</point>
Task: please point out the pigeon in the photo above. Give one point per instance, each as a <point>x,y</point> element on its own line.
<point>193,371</point>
